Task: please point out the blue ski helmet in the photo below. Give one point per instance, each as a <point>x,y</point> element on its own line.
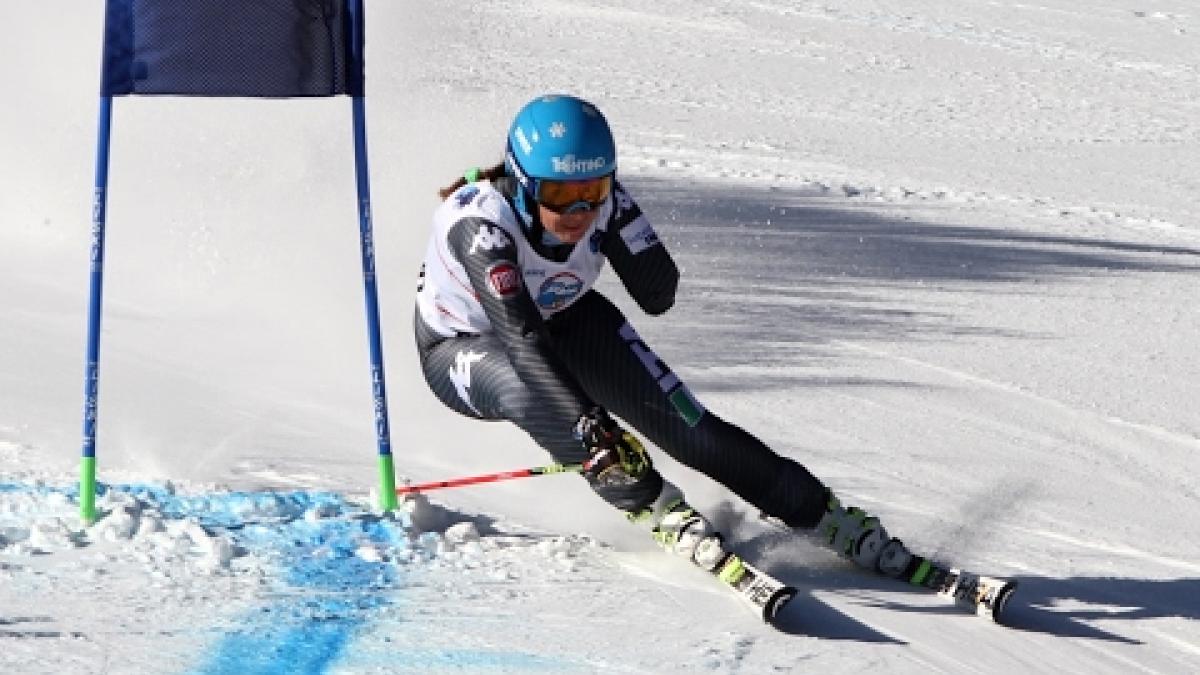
<point>559,138</point>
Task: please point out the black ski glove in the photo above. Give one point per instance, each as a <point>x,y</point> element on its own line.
<point>617,456</point>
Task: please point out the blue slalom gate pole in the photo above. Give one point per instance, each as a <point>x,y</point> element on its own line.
<point>387,471</point>
<point>91,378</point>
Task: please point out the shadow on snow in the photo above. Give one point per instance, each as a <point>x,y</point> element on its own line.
<point>783,273</point>
<point>1068,607</point>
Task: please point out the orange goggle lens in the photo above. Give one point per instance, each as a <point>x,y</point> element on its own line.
<point>561,195</point>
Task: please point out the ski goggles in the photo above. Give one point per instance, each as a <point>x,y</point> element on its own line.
<point>569,196</point>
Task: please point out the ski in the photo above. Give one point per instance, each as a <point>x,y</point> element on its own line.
<point>981,595</point>
<point>764,593</point>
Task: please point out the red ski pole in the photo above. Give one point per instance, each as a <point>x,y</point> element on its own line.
<point>490,478</point>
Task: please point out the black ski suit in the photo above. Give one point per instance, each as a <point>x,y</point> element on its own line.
<point>543,357</point>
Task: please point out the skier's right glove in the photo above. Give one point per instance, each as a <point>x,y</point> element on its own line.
<point>617,456</point>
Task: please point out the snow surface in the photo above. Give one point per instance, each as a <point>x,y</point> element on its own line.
<point>946,255</point>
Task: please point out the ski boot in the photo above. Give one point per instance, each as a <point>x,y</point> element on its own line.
<point>855,535</point>
<point>861,538</point>
<point>680,530</point>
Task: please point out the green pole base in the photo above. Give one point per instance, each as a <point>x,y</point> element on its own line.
<point>387,483</point>
<point>87,490</point>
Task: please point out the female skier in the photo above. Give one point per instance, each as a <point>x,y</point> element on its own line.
<point>508,327</point>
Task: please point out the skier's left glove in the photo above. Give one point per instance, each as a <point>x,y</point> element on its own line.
<point>617,456</point>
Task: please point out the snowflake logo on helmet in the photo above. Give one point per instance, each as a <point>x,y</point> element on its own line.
<point>558,130</point>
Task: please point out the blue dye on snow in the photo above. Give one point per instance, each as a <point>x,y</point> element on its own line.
<point>21,488</point>
<point>327,590</point>
<point>329,593</point>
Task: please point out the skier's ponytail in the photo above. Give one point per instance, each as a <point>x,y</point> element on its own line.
<point>472,175</point>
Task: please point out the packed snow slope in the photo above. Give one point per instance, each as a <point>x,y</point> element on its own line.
<point>945,255</point>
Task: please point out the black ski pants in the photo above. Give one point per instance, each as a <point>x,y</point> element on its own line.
<point>473,376</point>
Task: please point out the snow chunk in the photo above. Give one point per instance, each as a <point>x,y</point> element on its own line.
<point>371,553</point>
<point>218,552</point>
<point>461,533</point>
<point>118,525</point>
<point>13,535</point>
<point>320,512</point>
<point>52,534</point>
<point>150,524</point>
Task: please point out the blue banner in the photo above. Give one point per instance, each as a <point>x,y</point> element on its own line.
<point>255,48</point>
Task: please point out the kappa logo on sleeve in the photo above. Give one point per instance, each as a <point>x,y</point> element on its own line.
<point>489,238</point>
<point>625,211</point>
<point>504,280</point>
<point>623,200</point>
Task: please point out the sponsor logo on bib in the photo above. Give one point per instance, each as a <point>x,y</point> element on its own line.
<point>559,291</point>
